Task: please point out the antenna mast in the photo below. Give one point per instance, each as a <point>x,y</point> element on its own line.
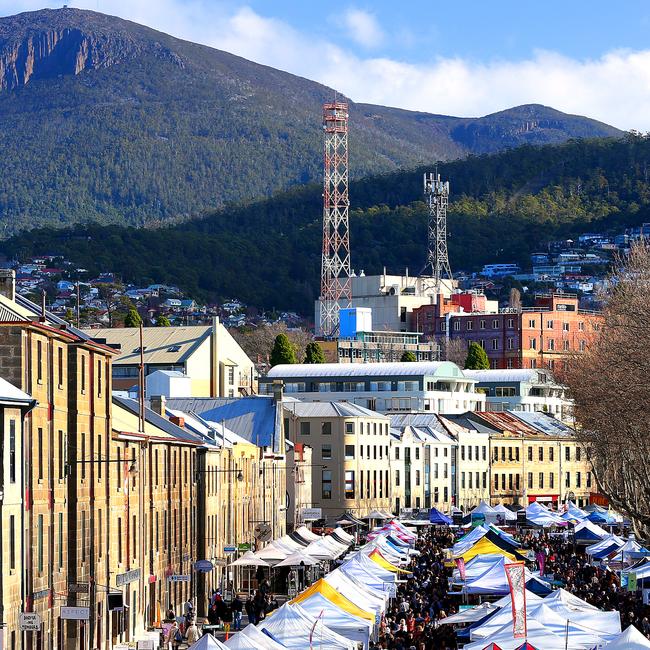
<point>336,288</point>
<point>437,196</point>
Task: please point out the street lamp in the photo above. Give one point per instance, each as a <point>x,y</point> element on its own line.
<point>239,474</point>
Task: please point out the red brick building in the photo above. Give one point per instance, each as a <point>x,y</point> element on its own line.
<point>531,337</point>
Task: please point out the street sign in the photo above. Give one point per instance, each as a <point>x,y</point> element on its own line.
<point>229,549</point>
<point>125,578</point>
<point>75,613</point>
<point>30,622</point>
<point>78,588</point>
<point>311,514</point>
<point>179,578</point>
<point>244,547</point>
<point>631,582</point>
<point>203,566</point>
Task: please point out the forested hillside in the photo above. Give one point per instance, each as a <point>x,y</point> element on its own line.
<point>502,208</point>
<point>108,121</point>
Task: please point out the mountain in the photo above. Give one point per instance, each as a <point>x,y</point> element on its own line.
<point>502,208</point>
<point>106,120</point>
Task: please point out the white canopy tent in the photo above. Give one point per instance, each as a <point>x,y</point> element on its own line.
<point>251,638</point>
<point>295,629</point>
<point>359,593</point>
<point>249,559</point>
<point>208,642</point>
<point>504,513</point>
<point>631,639</point>
<point>604,544</point>
<point>298,558</point>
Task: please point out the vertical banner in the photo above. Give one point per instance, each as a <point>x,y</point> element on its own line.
<point>516,573</point>
<point>460,563</point>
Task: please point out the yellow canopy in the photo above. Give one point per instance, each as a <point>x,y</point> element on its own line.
<point>485,547</point>
<point>339,600</point>
<point>377,557</point>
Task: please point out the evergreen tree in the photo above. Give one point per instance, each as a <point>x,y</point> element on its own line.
<point>314,353</point>
<point>477,358</point>
<point>408,355</point>
<point>283,351</point>
<point>132,319</point>
<point>163,321</point>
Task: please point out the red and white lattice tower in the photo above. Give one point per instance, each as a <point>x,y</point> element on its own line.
<point>336,287</point>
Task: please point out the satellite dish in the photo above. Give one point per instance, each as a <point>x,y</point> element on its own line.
<point>262,532</point>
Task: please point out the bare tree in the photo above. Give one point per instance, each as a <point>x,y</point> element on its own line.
<point>454,350</point>
<point>257,342</point>
<point>610,386</point>
<point>514,299</point>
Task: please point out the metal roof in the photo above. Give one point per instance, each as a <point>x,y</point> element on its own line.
<point>162,345</point>
<point>514,375</point>
<point>504,421</point>
<point>544,423</point>
<point>12,395</point>
<point>440,369</point>
<point>253,418</point>
<point>157,421</point>
<point>330,410</point>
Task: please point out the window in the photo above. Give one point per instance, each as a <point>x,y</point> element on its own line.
<point>517,454</point>
<point>99,455</point>
<point>510,343</point>
<point>541,479</point>
<point>495,324</point>
<point>41,533</point>
<point>349,452</point>
<point>457,325</point>
<point>327,484</point>
<point>551,344</point>
<point>326,452</point>
<point>305,428</point>
<point>462,452</point>
<point>581,326</point>
<point>578,479</point>
<point>541,454</point>
<point>578,453</point>
<point>349,428</point>
<point>446,493</point>
<point>588,479</point>
<point>469,475</point>
<point>511,323</point>
<point>443,326</point>
<point>83,373</point>
<point>436,473</point>
<point>326,428</point>
<point>396,453</point>
<point>470,325</point>
<point>482,324</point>
<point>516,482</point>
<point>40,454</point>
<point>83,535</point>
<point>100,535</point>
<point>505,391</point>
<point>503,454</point>
<point>530,453</point>
<point>533,344</point>
<point>484,452</point>
<point>530,480</point>
<point>496,481</point>
<point>551,480</point>
<point>436,494</point>
<point>495,344</point>
<point>402,314</point>
<point>417,453</point>
<point>469,452</point>
<point>445,471</point>
<point>12,542</point>
<point>567,453</point>
<point>417,477</point>
<point>565,327</point>
<point>510,453</point>
<point>39,361</point>
<point>482,343</point>
<point>503,481</point>
<point>135,536</point>
<point>551,454</point>
<point>60,366</point>
<point>531,323</point>
<point>12,451</point>
<point>582,346</point>
<point>510,481</point>
<point>83,455</point>
<point>484,480</point>
<point>496,453</point>
<point>567,480</point>
<point>396,478</point>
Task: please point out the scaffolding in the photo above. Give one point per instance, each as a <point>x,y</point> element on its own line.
<point>336,288</point>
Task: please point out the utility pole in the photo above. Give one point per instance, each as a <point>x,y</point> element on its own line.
<point>437,196</point>
<point>336,287</point>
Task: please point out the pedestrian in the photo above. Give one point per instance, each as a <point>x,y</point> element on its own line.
<point>227,620</point>
<point>237,609</point>
<point>250,611</point>
<point>174,637</point>
<point>192,634</point>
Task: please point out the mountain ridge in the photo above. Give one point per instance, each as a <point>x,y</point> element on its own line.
<point>106,120</point>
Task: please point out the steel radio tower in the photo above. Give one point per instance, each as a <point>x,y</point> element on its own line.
<point>336,289</point>
<point>437,195</point>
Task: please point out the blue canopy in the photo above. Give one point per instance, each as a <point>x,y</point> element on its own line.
<point>438,518</point>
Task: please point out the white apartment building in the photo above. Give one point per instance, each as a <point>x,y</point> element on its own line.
<point>527,389</point>
<point>435,387</point>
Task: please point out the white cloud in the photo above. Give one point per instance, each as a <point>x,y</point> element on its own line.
<point>363,28</point>
<point>614,88</point>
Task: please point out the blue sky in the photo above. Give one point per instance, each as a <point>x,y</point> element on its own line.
<point>464,57</point>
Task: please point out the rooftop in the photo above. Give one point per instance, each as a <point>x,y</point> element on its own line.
<point>329,410</point>
<point>440,369</point>
<point>10,395</point>
<point>522,375</point>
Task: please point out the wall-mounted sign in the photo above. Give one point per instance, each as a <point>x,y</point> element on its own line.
<point>203,566</point>
<point>128,577</point>
<point>311,514</point>
<point>75,613</point>
<point>229,549</point>
<point>179,578</point>
<point>30,622</point>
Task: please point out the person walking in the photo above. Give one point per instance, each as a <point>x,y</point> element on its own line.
<point>192,634</point>
<point>237,609</point>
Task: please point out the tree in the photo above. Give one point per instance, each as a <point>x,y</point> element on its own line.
<point>132,319</point>
<point>408,356</point>
<point>609,385</point>
<point>283,351</point>
<point>163,321</point>
<point>257,342</point>
<point>314,353</point>
<point>454,350</point>
<point>476,359</point>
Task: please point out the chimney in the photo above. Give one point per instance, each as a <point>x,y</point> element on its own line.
<point>278,390</point>
<point>8,283</point>
<point>158,404</point>
<point>177,420</point>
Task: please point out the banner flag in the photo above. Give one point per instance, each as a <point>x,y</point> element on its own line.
<point>460,563</point>
<point>516,573</point>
